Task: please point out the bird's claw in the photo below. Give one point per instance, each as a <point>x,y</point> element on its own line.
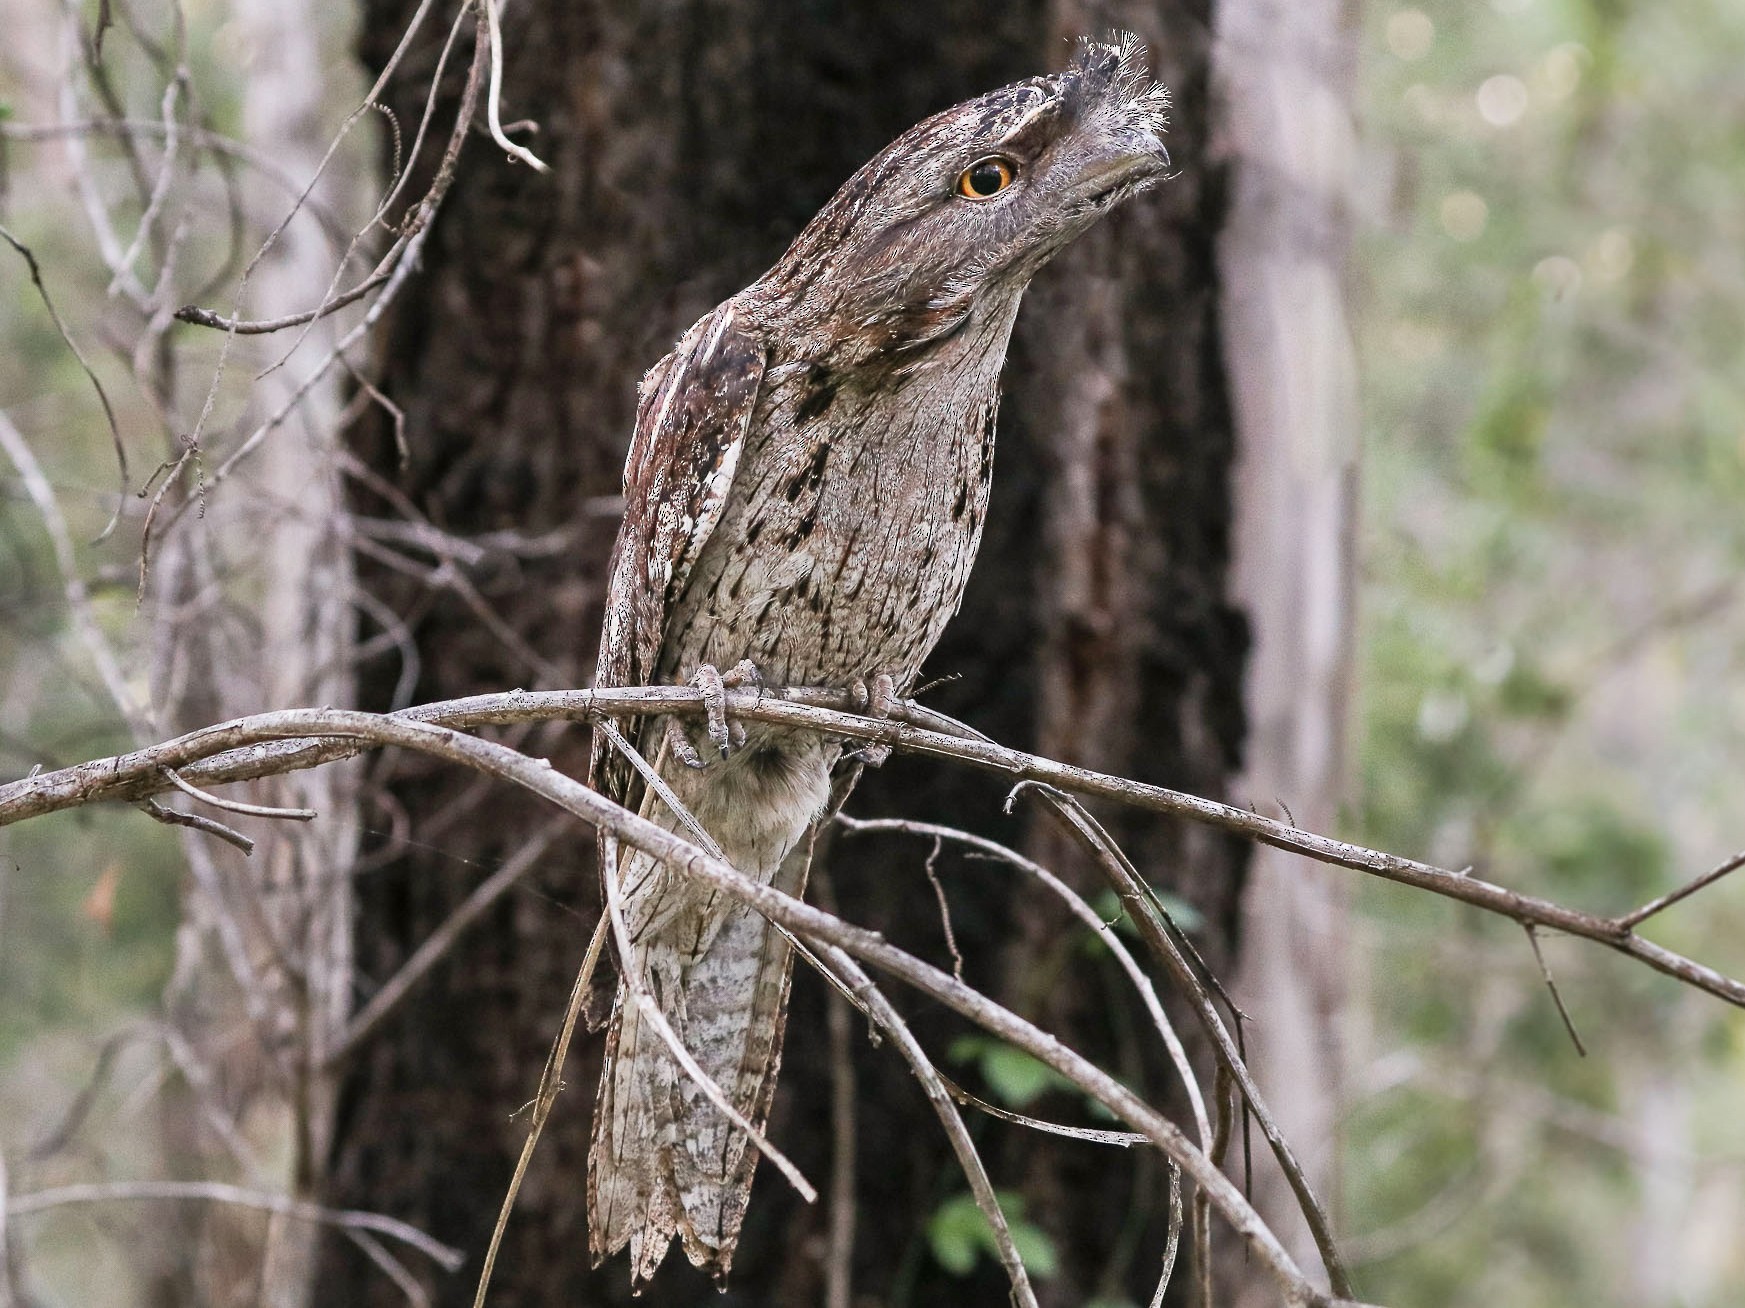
<point>877,702</point>
<point>727,736</point>
<point>679,744</point>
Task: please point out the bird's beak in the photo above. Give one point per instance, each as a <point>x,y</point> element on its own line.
<point>1136,157</point>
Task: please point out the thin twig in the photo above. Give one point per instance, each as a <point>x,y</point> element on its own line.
<point>874,1003</point>
<point>176,818</point>
<point>493,105</point>
<point>1085,914</point>
<point>1630,921</point>
<point>237,806</point>
<point>41,1201</point>
<point>1172,1246</point>
<point>550,1083</point>
<point>1165,946</point>
<point>844,1139</point>
<point>1089,1134</point>
<point>1551,985</point>
<point>78,354</point>
<point>944,908</point>
<point>658,784</point>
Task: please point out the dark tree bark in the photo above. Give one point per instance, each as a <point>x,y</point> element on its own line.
<point>689,142</point>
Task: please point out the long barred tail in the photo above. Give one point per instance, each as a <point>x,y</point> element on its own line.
<point>665,1161</point>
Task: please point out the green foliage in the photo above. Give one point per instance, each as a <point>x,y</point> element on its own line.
<point>959,1235</point>
<point>1014,1078</point>
<point>1551,650</point>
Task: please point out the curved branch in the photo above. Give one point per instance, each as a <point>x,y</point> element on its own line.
<point>809,923</point>
<point>40,1201</point>
<point>216,749</point>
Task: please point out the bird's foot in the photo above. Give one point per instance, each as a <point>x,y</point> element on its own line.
<point>679,744</point>
<point>876,702</point>
<point>715,684</point>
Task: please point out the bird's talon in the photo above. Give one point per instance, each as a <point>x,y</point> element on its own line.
<point>679,744</point>
<point>743,673</point>
<point>883,701</point>
<point>709,680</point>
<point>877,702</point>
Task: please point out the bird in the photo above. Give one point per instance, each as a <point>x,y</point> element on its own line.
<point>804,495</point>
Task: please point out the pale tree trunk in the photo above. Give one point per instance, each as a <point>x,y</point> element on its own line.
<point>254,613</point>
<point>1284,70</point>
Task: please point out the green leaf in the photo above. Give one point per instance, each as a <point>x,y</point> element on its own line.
<point>1034,1247</point>
<point>958,1234</point>
<point>1014,1078</point>
<point>954,1234</point>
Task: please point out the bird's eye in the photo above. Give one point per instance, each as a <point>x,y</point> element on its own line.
<point>985,178</point>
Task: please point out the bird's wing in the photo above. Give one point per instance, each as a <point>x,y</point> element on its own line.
<point>693,412</point>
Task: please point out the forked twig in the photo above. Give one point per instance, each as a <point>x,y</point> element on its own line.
<point>550,1083</point>
<point>236,805</point>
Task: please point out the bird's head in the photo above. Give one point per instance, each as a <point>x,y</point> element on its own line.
<point>960,212</point>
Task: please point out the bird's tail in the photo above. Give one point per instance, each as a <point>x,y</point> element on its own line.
<point>665,1161</point>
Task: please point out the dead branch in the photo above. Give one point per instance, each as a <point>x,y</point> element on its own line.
<point>241,750</point>
<point>811,924</point>
<point>550,1082</point>
<point>40,1201</point>
<point>873,1002</point>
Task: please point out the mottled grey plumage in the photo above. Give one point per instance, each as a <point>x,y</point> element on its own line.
<point>805,489</point>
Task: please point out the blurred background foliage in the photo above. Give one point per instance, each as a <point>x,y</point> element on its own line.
<point>1549,285</point>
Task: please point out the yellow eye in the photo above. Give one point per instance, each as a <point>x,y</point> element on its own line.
<point>985,178</point>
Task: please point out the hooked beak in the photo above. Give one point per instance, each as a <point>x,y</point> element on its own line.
<point>1138,159</point>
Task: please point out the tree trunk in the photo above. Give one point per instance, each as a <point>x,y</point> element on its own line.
<point>1285,72</point>
<point>252,611</point>
<point>689,142</point>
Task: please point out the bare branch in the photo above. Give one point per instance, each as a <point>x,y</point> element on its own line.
<point>873,1002</point>
<point>237,806</point>
<point>1085,914</point>
<point>1551,985</point>
<point>176,818</point>
<point>550,1083</point>
<point>1630,921</point>
<point>493,106</point>
<point>134,776</point>
<point>24,252</point>
<point>24,1205</point>
<point>1140,903</point>
<point>944,907</point>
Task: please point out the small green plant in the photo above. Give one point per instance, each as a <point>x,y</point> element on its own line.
<point>959,1234</point>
